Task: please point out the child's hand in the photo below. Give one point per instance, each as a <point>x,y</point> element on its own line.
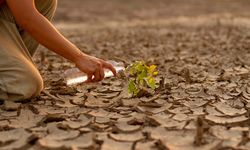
<point>94,67</point>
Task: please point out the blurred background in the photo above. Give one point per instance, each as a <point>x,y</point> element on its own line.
<point>120,10</point>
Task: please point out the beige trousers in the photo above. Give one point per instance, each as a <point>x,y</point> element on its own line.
<point>19,78</point>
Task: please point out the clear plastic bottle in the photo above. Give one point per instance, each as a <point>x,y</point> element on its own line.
<point>75,76</point>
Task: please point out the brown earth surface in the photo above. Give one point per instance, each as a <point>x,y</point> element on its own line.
<point>201,48</point>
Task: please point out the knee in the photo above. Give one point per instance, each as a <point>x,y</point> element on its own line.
<point>23,84</point>
<point>32,85</point>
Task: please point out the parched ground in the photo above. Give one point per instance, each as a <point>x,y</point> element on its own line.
<point>202,50</point>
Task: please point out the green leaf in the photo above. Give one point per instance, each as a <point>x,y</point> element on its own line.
<point>141,75</point>
<point>132,70</point>
<point>151,83</point>
<point>132,87</point>
<point>139,66</point>
<point>142,82</point>
<point>151,69</point>
<point>155,73</point>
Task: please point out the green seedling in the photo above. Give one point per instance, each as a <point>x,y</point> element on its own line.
<point>141,76</point>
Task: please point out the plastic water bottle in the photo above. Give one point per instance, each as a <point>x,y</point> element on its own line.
<point>75,76</point>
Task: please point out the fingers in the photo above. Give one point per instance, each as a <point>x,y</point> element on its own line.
<point>102,74</point>
<point>99,74</point>
<point>90,78</point>
<point>110,67</point>
<point>96,76</point>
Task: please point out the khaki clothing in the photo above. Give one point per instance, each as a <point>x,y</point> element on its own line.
<point>19,78</point>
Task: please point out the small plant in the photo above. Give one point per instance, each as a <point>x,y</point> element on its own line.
<point>141,77</point>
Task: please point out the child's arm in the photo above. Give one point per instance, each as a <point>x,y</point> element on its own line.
<point>28,17</point>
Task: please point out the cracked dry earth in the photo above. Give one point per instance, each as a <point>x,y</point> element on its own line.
<point>203,102</point>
